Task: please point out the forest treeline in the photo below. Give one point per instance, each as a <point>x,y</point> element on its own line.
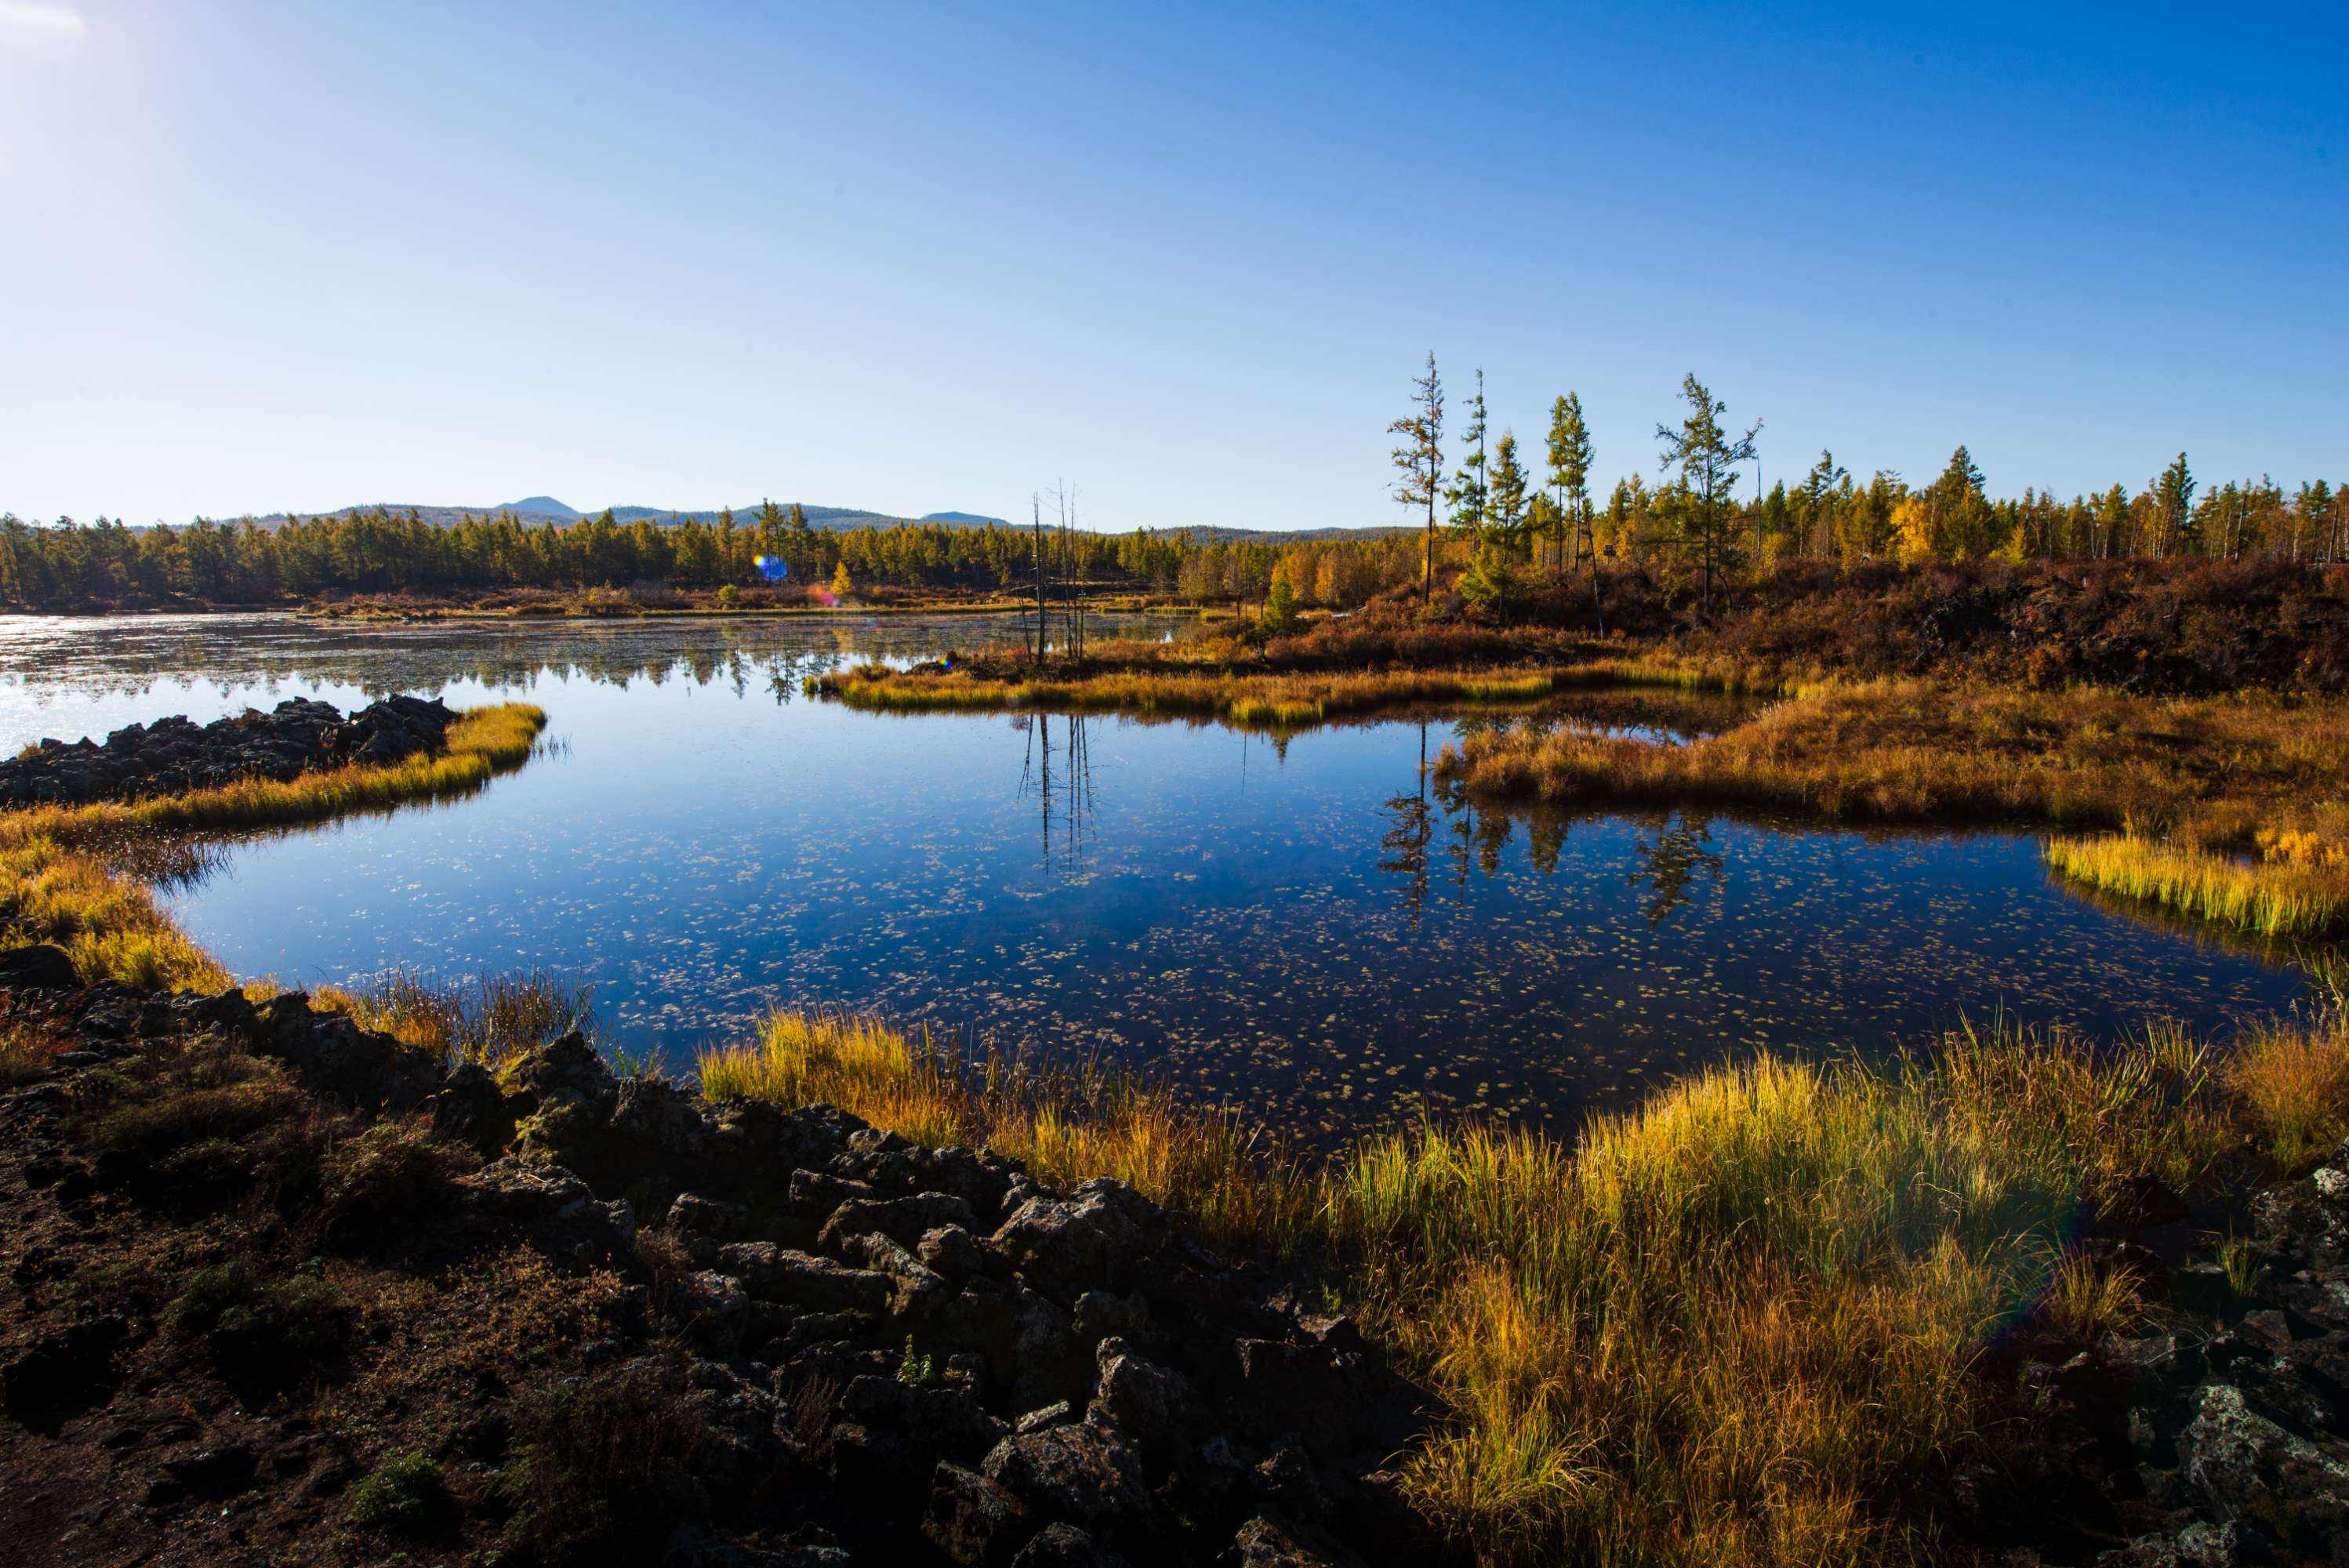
<point>1487,519</point>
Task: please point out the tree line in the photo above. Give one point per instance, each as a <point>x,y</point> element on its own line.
<point>383,550</point>
<point>1691,525</point>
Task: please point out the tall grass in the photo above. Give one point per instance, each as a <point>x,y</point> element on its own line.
<point>1731,1327</point>
<point>2275,896</point>
<point>1067,1123</point>
<point>54,888</point>
<point>488,1020</point>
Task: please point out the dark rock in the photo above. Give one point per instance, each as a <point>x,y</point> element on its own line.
<point>951,1252</point>
<point>214,1472</point>
<point>974,1521</point>
<point>41,966</point>
<point>1058,1546</point>
<point>1267,1542</point>
<point>1148,1402</point>
<point>2249,1466</point>
<point>1090,1474</point>
<point>62,1373</point>
<point>902,1219</point>
<point>1094,1240</point>
<point>802,1279</point>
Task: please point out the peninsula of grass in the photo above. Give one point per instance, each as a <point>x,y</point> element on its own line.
<point>1750,1321</point>
<point>56,888</point>
<point>1242,698</point>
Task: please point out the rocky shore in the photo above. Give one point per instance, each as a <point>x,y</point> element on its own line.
<point>174,755</point>
<point>812,1343</point>
<point>281,1284</point>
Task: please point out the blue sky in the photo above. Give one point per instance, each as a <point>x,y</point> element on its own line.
<point>268,255</point>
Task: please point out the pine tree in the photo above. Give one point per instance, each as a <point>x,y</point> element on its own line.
<point>1466,493</point>
<point>1569,475</point>
<point>2173,505</point>
<point>1419,461</point>
<point>1708,459</point>
<point>1505,501</point>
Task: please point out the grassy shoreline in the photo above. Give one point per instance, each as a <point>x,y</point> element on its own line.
<point>1273,699</point>
<point>1745,1322</point>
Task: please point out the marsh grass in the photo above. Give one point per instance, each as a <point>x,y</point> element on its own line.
<point>54,887</point>
<point>1730,1327</point>
<point>2276,895</point>
<point>2289,1081</point>
<point>1068,1123</point>
<point>488,1020</point>
<point>1278,700</point>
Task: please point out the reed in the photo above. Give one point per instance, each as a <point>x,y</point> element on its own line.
<point>487,1020</point>
<point>2275,896</point>
<point>2289,1081</point>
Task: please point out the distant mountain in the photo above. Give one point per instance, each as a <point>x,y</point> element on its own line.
<point>964,519</point>
<point>541,506</point>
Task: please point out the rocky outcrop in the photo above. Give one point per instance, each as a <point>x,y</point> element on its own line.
<point>173,754</point>
<point>2223,1440</point>
<point>935,1355</point>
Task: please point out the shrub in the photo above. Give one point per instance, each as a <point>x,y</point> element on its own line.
<point>395,1168</point>
<point>268,1332</point>
<point>603,1466</point>
<point>405,1495</point>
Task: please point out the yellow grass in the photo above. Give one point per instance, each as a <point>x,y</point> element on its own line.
<point>2290,1082</point>
<point>1731,1327</point>
<point>2278,895</point>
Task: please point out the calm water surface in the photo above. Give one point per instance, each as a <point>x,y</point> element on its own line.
<point>1306,927</point>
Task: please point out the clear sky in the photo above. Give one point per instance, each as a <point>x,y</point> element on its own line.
<point>261,254</point>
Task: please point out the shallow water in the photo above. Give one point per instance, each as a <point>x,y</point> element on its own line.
<point>1305,927</point>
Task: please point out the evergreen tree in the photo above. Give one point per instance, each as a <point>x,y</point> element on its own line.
<point>1506,500</point>
<point>1569,475</point>
<point>1419,461</point>
<point>2173,505</point>
<point>1707,458</point>
<point>1466,493</point>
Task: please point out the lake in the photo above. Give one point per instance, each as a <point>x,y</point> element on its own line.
<point>1306,927</point>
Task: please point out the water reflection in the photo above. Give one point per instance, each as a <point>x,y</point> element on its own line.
<point>1306,924</point>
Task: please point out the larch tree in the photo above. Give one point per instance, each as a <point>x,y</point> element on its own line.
<point>1467,493</point>
<point>1419,460</point>
<point>1707,458</point>
<point>2173,505</point>
<point>1569,476</point>
<point>1505,512</point>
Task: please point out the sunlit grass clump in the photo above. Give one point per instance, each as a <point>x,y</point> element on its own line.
<point>2281,894</point>
<point>1068,1124</point>
<point>489,1020</point>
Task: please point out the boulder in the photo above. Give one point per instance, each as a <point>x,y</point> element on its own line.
<point>1088,1474</point>
<point>772,1272</point>
<point>1095,1239</point>
<point>974,1521</point>
<point>40,967</point>
<point>2250,1466</point>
